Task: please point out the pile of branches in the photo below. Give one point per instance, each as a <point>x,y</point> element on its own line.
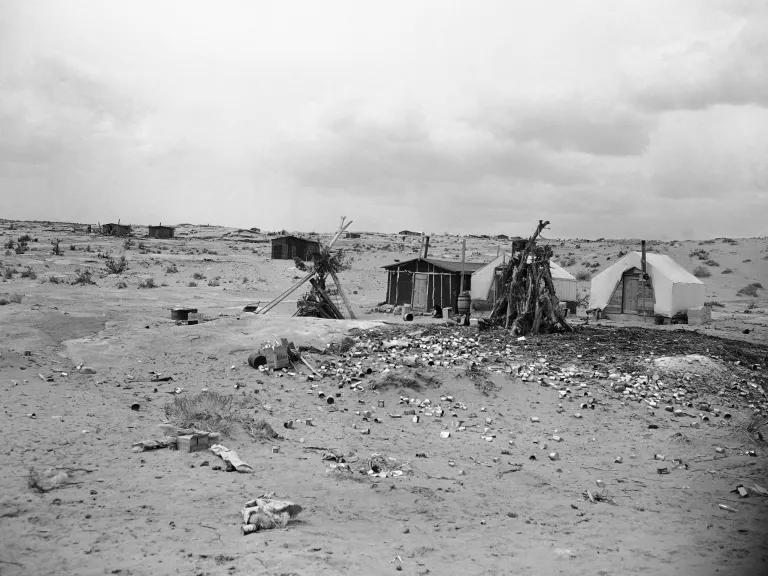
<point>317,302</point>
<point>528,302</point>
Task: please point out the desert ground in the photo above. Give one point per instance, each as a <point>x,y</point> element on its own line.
<point>613,450</point>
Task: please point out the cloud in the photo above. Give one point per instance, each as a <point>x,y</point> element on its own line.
<point>57,108</point>
<point>569,125</point>
<point>730,68</point>
<point>402,152</point>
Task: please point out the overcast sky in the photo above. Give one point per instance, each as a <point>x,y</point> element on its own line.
<point>609,118</point>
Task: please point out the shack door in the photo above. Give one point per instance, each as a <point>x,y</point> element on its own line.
<point>419,291</point>
<point>630,293</point>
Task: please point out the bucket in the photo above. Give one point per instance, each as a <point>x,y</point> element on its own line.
<point>464,302</point>
<point>406,310</point>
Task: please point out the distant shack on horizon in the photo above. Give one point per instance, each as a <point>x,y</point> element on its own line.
<point>161,231</point>
<point>116,229</point>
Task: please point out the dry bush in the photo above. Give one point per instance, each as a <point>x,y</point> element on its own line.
<point>583,275</point>
<point>192,284</point>
<point>750,290</point>
<point>712,263</point>
<point>214,281</point>
<point>208,410</point>
<point>54,279</point>
<point>120,285</point>
<point>727,271</point>
<point>258,428</point>
<point>116,266</point>
<point>702,272</point>
<point>198,276</point>
<point>10,299</point>
<point>83,277</point>
<point>29,273</point>
<point>148,282</point>
<point>171,269</point>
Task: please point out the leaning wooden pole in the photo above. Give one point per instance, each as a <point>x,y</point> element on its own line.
<point>343,295</point>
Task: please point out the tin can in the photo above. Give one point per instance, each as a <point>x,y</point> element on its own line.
<point>275,449</point>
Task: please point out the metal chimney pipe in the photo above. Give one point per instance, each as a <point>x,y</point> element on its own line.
<point>426,246</point>
<point>642,260</point>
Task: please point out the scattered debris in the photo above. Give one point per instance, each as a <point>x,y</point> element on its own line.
<point>231,458</point>
<point>265,513</point>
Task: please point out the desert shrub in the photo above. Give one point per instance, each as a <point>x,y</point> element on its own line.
<point>28,273</point>
<point>700,253</point>
<point>702,272</point>
<point>712,263</point>
<point>568,261</point>
<point>714,304</point>
<point>621,253</point>
<point>121,285</point>
<point>72,248</point>
<point>209,411</point>
<point>88,248</point>
<point>56,250</point>
<point>214,281</point>
<point>25,238</point>
<point>10,299</point>
<point>726,271</point>
<point>148,282</point>
<point>198,276</point>
<point>583,275</point>
<point>142,247</point>
<point>9,244</point>
<point>171,268</point>
<point>731,241</point>
<point>595,265</point>
<point>747,260</point>
<point>54,279</point>
<point>8,273</point>
<point>750,289</point>
<point>245,279</point>
<point>127,244</point>
<point>116,266</point>
<point>83,277</point>
<point>21,247</point>
<point>192,284</point>
<point>258,428</point>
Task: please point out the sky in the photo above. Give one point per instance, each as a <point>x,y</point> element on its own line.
<point>609,118</point>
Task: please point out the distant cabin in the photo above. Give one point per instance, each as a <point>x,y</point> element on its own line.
<point>161,231</point>
<point>290,247</point>
<point>352,235</point>
<point>428,282</point>
<point>408,233</point>
<point>113,229</point>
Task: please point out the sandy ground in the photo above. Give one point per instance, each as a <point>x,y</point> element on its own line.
<point>476,503</point>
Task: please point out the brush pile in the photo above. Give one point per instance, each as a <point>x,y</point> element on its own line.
<point>528,303</point>
<point>318,302</point>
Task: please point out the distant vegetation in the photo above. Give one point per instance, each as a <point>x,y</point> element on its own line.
<point>702,272</point>
<point>750,290</point>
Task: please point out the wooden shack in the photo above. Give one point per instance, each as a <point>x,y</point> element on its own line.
<point>428,282</point>
<point>118,229</point>
<point>290,247</point>
<point>161,231</point>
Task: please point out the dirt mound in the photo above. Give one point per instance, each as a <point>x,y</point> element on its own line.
<point>405,378</point>
<point>689,364</point>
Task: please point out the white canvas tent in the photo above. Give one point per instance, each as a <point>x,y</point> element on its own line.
<point>482,280</point>
<point>674,289</point>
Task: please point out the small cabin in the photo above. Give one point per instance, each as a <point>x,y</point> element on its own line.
<point>290,247</point>
<point>428,282</point>
<point>161,231</point>
<point>113,229</point>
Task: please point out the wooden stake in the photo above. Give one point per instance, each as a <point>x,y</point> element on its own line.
<point>343,295</point>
